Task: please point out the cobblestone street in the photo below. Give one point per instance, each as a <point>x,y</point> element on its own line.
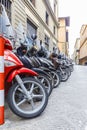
<point>66,109</point>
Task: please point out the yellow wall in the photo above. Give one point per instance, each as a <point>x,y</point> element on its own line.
<point>83,50</point>
<point>83,44</point>
<point>62,44</point>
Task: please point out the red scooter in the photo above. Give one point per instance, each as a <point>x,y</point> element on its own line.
<point>26,96</point>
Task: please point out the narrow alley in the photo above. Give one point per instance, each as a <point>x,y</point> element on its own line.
<point>66,109</point>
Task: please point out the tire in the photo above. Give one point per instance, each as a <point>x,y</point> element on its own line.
<point>46,82</point>
<point>64,76</point>
<point>28,107</point>
<point>56,79</point>
<point>71,68</point>
<point>68,71</point>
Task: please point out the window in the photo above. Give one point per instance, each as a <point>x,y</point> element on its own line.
<point>47,40</point>
<point>33,2</point>
<point>47,18</point>
<point>31,29</point>
<point>7,4</point>
<point>67,20</point>
<point>66,36</point>
<point>54,29</point>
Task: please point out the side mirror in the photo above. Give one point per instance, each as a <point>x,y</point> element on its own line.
<point>34,36</point>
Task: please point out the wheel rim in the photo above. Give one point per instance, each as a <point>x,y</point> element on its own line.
<point>35,101</point>
<point>45,82</point>
<point>64,76</point>
<point>56,78</point>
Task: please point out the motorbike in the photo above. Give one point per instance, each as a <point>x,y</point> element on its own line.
<point>52,71</point>
<point>36,55</point>
<point>43,77</point>
<point>26,96</point>
<point>60,66</point>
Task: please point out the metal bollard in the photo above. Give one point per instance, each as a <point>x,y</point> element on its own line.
<point>2,40</point>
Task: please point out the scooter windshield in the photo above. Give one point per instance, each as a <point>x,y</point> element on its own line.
<point>22,37</point>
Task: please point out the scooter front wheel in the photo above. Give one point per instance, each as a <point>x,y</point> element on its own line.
<point>46,82</point>
<point>64,75</point>
<point>56,79</point>
<point>28,106</point>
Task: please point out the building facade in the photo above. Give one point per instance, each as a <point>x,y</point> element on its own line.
<point>76,51</point>
<point>63,35</point>
<point>37,17</point>
<point>83,45</point>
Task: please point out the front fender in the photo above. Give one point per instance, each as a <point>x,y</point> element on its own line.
<point>45,69</point>
<point>38,70</point>
<point>22,70</point>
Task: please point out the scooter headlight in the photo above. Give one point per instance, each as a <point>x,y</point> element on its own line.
<point>9,63</point>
